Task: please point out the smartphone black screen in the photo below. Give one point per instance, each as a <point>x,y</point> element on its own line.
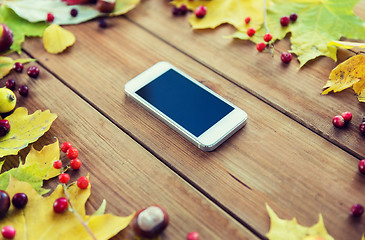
<point>183,101</point>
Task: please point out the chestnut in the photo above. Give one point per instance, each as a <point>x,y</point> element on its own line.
<point>6,37</point>
<point>105,6</point>
<point>150,222</point>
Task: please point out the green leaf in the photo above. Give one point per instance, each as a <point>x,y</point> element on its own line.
<point>318,23</point>
<point>38,166</point>
<point>36,11</point>
<point>21,28</point>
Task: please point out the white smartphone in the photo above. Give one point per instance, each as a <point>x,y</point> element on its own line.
<point>196,112</point>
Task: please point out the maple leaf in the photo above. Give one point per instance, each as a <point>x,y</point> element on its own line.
<point>20,27</point>
<point>56,39</point>
<point>318,23</point>
<point>225,11</point>
<point>38,166</point>
<point>346,44</point>
<point>38,220</point>
<point>6,64</point>
<point>124,6</point>
<point>347,74</point>
<point>285,229</point>
<point>24,129</point>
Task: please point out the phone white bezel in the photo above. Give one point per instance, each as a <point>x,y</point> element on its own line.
<point>211,138</point>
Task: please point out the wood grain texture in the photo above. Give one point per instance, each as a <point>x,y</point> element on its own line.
<point>272,160</point>
<point>121,171</point>
<point>296,93</point>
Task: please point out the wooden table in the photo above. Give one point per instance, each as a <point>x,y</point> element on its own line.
<point>289,155</point>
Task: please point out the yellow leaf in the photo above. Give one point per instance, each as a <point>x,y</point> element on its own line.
<point>347,45</point>
<point>56,39</point>
<point>38,166</point>
<point>44,159</point>
<point>38,220</point>
<point>284,229</point>
<point>24,129</point>
<point>6,64</point>
<point>226,11</point>
<point>347,74</point>
<point>124,6</point>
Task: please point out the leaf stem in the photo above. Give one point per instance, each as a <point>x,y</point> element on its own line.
<point>271,46</point>
<point>77,215</point>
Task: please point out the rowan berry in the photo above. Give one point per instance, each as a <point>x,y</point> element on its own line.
<point>251,31</point>
<point>83,182</point>
<point>8,232</point>
<point>64,178</point>
<point>347,116</point>
<point>247,20</point>
<point>357,210</point>
<point>361,166</point>
<point>193,236</point>
<point>284,21</point>
<point>57,164</point>
<point>338,121</point>
<point>50,17</point>
<point>72,153</point>
<point>65,146</point>
<point>260,46</point>
<point>267,37</point>
<point>286,57</point>
<point>75,164</point>
<point>200,11</point>
<point>60,205</point>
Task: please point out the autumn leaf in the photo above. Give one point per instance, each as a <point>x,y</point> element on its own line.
<point>24,129</point>
<point>21,28</point>
<point>347,74</point>
<point>56,39</point>
<point>38,220</point>
<point>284,229</point>
<point>225,11</point>
<point>346,44</point>
<point>38,166</point>
<point>318,23</point>
<point>6,64</point>
<point>124,6</point>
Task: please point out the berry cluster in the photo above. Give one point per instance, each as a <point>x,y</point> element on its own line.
<point>61,204</point>
<point>199,11</point>
<point>19,201</point>
<point>23,90</point>
<point>285,20</point>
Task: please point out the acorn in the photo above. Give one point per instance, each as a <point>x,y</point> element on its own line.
<point>105,6</point>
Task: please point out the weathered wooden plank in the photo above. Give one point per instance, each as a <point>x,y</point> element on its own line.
<point>273,159</point>
<point>121,171</point>
<point>295,92</point>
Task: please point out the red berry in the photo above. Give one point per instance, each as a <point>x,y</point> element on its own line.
<point>10,83</point>
<point>251,31</point>
<point>347,116</point>
<point>72,153</point>
<point>19,200</point>
<point>284,21</point>
<point>18,67</point>
<point>200,11</point>
<point>23,90</point>
<point>4,127</point>
<point>362,128</point>
<point>57,164</point>
<point>33,71</point>
<point>60,205</point>
<point>260,46</point>
<point>247,20</point>
<point>357,210</point>
<point>361,166</point>
<point>73,12</point>
<point>293,17</point>
<point>4,203</point>
<point>83,182</point>
<point>183,9</point>
<point>267,37</point>
<point>286,57</point>
<point>75,164</point>
<point>175,11</point>
<point>64,178</point>
<point>193,236</point>
<point>65,146</point>
<point>338,121</point>
<point>8,232</point>
<point>50,17</point>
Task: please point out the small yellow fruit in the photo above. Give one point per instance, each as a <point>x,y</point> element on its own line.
<point>7,100</point>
